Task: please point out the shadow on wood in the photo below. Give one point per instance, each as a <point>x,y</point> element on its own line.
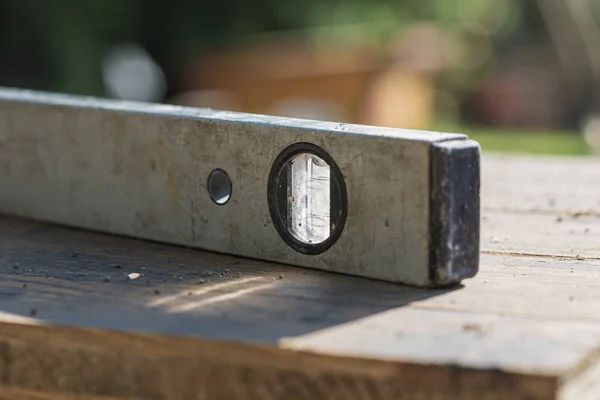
<point>77,278</point>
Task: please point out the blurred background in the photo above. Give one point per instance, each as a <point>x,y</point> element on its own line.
<point>516,75</point>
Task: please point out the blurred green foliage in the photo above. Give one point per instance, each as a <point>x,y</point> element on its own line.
<point>527,142</point>
<point>59,45</point>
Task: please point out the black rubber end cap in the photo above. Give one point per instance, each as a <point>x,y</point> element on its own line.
<point>454,211</point>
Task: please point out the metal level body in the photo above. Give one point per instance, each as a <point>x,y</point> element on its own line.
<point>141,170</point>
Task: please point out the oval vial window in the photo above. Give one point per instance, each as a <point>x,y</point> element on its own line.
<point>307,198</point>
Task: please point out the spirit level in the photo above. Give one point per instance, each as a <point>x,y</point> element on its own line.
<point>382,203</point>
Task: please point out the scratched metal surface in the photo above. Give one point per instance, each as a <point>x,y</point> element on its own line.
<point>141,170</point>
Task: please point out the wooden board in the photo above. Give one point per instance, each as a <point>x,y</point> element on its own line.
<point>202,325</point>
<point>543,184</point>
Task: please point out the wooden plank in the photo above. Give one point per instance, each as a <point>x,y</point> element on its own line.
<point>565,234</point>
<point>477,340</point>
<point>541,205</point>
<point>529,315</point>
<point>557,289</point>
<point>15,393</point>
<point>492,323</point>
<point>583,384</point>
<point>541,184</point>
<point>525,327</point>
<point>217,296</point>
<point>231,298</point>
<point>70,360</point>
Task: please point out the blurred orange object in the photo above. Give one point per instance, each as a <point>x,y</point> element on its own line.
<point>293,77</point>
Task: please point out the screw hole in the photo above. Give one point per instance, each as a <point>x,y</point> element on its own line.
<point>219,186</point>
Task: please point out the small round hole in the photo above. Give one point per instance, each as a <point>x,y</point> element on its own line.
<point>219,186</point>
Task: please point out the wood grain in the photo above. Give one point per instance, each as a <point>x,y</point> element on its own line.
<point>77,361</point>
<point>203,325</point>
<point>15,393</point>
<point>541,184</point>
<point>80,278</point>
<point>541,234</point>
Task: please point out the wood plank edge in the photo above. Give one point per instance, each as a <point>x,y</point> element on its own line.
<point>88,362</point>
<point>583,383</point>
<point>14,393</point>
